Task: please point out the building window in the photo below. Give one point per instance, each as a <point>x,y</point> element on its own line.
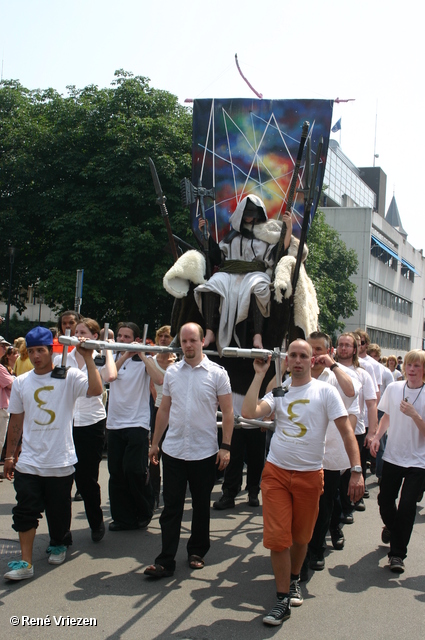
<point>388,340</point>
<point>407,273</point>
<point>385,298</point>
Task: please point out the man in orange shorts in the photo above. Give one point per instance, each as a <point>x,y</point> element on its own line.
<point>292,479</point>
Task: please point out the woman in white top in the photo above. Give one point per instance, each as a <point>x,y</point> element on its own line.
<point>392,364</point>
<point>89,432</point>
<point>163,361</point>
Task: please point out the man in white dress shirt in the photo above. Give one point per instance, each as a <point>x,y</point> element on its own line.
<point>192,390</point>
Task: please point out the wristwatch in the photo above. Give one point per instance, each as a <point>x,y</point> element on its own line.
<point>356,469</point>
<point>333,366</point>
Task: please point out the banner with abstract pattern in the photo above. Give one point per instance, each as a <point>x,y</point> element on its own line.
<point>243,146</point>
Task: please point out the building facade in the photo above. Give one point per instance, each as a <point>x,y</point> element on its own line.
<point>390,278</point>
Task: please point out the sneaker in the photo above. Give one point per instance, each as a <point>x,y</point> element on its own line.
<point>360,505</point>
<point>366,494</point>
<point>225,502</point>
<point>396,564</point>
<point>280,612</point>
<point>337,538</point>
<point>19,570</point>
<point>78,497</point>
<point>386,535</point>
<point>295,594</point>
<point>347,518</point>
<point>57,554</point>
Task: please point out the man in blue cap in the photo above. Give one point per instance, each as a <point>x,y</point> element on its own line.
<point>41,408</point>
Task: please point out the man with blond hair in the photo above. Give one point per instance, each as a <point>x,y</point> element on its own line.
<point>403,468</point>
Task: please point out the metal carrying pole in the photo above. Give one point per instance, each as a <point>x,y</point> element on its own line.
<point>247,422</point>
<point>228,352</point>
<point>61,370</point>
<point>79,290</point>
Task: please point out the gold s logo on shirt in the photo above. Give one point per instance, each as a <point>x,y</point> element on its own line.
<point>40,404</point>
<point>292,416</point>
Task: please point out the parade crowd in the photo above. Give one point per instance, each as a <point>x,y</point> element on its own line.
<point>339,411</point>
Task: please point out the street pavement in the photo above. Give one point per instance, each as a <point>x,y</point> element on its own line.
<point>355,597</point>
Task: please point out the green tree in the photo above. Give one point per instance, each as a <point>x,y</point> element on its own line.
<point>76,192</point>
<point>330,265</point>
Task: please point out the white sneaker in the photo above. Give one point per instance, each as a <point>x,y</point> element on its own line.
<point>57,554</point>
<point>19,570</point>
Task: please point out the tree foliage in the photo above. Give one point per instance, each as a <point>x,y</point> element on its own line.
<point>76,193</point>
<point>330,265</point>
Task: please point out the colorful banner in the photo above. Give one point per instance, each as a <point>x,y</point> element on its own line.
<point>243,146</point>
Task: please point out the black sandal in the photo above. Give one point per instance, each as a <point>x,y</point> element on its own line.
<point>196,562</point>
<point>157,571</point>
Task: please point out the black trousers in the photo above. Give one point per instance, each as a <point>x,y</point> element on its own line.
<point>89,441</point>
<point>200,474</point>
<point>35,494</point>
<point>130,492</point>
<point>325,518</point>
<point>399,519</point>
<point>251,442</point>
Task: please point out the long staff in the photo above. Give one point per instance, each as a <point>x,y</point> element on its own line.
<point>292,188</point>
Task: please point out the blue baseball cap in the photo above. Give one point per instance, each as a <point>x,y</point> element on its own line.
<point>39,337</point>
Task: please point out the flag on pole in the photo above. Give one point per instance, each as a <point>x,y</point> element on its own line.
<point>337,126</point>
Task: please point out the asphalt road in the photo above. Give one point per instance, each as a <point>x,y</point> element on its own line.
<point>356,596</point>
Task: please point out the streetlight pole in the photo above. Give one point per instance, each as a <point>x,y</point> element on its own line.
<point>12,252</point>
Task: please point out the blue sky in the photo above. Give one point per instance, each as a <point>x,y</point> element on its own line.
<point>369,50</point>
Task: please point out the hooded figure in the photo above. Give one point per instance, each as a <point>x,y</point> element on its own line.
<point>243,281</point>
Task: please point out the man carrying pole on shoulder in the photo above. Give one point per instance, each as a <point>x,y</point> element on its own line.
<point>42,408</point>
<point>293,476</point>
<point>193,388</point>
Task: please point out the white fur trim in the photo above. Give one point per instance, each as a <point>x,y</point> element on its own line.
<point>267,231</point>
<point>306,310</point>
<point>190,267</point>
<point>283,277</point>
<point>294,246</point>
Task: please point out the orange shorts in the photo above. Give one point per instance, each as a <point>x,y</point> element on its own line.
<point>290,505</point>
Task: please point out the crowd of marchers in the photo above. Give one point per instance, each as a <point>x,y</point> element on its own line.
<point>340,410</point>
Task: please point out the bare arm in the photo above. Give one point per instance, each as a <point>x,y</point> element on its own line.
<point>226,406</point>
<point>152,390</point>
<point>161,423</point>
<point>14,434</point>
<point>384,423</point>
<point>345,382</point>
<point>287,219</point>
<point>251,407</point>
<point>109,370</point>
<point>95,382</point>
<point>356,484</point>
<point>343,379</point>
<point>372,418</point>
<point>409,410</point>
<point>151,369</point>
